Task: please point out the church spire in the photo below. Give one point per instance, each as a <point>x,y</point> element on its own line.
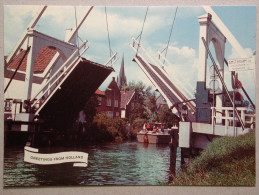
<point>121,80</point>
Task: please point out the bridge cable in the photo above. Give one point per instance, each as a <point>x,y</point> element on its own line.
<point>170,33</point>
<point>142,29</point>
<point>77,39</point>
<point>17,68</point>
<point>108,32</point>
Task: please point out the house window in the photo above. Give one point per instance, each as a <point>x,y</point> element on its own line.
<point>109,114</point>
<point>132,105</point>
<point>116,103</point>
<point>117,114</point>
<point>99,101</point>
<point>109,102</point>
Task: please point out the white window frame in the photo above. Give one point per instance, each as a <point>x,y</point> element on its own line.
<point>116,103</point>
<point>108,102</point>
<point>109,114</point>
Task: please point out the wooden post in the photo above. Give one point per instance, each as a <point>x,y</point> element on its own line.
<point>173,150</point>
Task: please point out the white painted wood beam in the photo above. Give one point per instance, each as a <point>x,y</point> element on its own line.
<point>230,37</point>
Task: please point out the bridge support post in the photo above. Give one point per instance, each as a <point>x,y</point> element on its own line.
<point>173,150</point>
<point>211,34</point>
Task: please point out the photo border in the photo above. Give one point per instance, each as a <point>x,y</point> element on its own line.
<point>124,189</point>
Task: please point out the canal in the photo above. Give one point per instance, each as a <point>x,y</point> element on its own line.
<point>126,163</point>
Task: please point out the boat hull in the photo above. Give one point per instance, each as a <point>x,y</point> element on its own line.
<point>142,137</point>
<point>153,138</point>
<point>159,138</point>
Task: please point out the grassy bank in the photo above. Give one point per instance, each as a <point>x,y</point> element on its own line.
<point>227,161</point>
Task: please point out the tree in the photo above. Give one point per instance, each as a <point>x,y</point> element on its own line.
<point>90,109</point>
<point>166,116</point>
<point>150,110</point>
<point>145,106</point>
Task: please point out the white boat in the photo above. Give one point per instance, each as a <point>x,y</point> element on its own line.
<point>142,137</point>
<point>159,138</point>
<point>154,138</point>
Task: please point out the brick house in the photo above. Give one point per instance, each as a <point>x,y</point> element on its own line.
<point>128,101</point>
<point>109,101</point>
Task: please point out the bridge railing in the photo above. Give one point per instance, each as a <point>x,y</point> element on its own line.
<point>51,85</point>
<point>226,113</point>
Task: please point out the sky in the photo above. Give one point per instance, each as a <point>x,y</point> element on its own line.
<point>127,22</point>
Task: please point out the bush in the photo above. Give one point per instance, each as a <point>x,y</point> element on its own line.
<point>227,161</point>
<point>138,124</point>
<point>108,129</point>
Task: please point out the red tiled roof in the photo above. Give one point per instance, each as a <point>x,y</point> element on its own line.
<point>126,96</point>
<point>99,92</point>
<point>42,60</point>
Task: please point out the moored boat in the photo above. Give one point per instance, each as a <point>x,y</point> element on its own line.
<point>159,138</point>
<point>154,137</point>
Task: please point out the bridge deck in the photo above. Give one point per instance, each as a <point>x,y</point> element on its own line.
<point>164,84</point>
<point>81,84</point>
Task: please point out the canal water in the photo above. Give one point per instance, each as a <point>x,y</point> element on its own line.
<point>127,163</point>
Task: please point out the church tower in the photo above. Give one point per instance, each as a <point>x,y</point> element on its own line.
<point>121,79</point>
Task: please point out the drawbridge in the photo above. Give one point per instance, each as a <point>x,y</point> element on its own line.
<point>206,116</point>
<point>50,81</point>
<point>175,99</point>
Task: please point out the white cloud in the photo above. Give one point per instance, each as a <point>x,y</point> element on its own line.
<point>15,23</point>
<point>119,27</point>
<point>185,51</point>
<point>183,66</point>
<point>234,54</point>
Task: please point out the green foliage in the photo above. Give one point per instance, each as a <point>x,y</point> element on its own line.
<point>108,129</point>
<point>150,110</point>
<point>145,105</point>
<point>227,161</point>
<point>166,116</point>
<point>138,123</point>
<point>90,109</point>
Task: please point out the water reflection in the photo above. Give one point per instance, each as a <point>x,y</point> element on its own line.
<point>128,163</point>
